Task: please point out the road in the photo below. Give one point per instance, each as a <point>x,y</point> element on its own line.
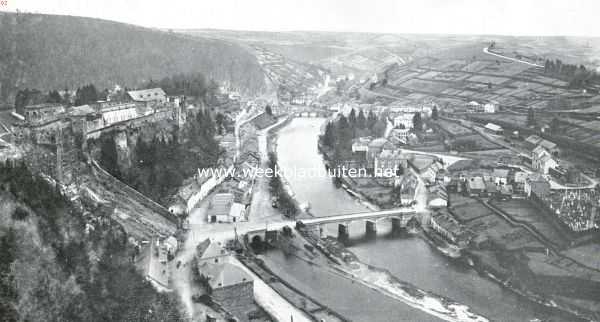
<point>262,216</point>
<point>486,50</point>
<point>261,209</point>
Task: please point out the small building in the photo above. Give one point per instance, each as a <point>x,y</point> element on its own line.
<point>41,113</point>
<point>391,161</point>
<point>437,196</point>
<point>490,188</point>
<point>489,108</point>
<point>228,284</point>
<point>404,120</point>
<point>542,161</point>
<point>237,213</point>
<point>475,186</point>
<point>446,225</point>
<point>534,141</point>
<point>156,95</point>
<point>494,128</point>
<point>500,176</point>
<point>361,144</point>
<point>220,207</point>
<point>374,148</point>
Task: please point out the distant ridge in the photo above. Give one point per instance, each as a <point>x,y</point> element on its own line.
<point>54,52</point>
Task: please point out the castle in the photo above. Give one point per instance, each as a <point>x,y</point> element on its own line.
<point>55,134</point>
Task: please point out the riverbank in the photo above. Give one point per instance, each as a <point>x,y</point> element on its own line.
<point>491,269</point>
<point>348,265</point>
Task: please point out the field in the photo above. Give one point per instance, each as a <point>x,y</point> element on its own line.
<point>524,211</point>
<point>452,128</point>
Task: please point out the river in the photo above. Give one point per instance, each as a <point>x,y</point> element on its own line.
<point>409,258</point>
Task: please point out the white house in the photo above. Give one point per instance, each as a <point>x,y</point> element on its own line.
<point>542,161</point>
<point>237,213</point>
<point>404,120</point>
<point>489,108</point>
<point>493,128</point>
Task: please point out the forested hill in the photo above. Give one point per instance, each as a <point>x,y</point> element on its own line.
<point>55,52</point>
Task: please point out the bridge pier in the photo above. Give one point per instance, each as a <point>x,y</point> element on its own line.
<point>397,227</point>
<point>343,233</point>
<point>371,228</point>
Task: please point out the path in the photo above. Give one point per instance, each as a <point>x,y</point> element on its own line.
<point>486,50</point>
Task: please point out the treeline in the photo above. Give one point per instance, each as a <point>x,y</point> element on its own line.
<point>192,84</point>
<point>576,76</point>
<point>160,165</point>
<point>282,199</point>
<point>46,51</point>
<point>338,135</point>
<point>83,95</point>
<point>53,269</point>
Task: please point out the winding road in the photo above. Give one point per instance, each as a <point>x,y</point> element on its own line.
<point>487,51</point>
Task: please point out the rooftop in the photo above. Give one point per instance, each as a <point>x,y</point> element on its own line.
<point>493,127</point>
<point>221,203</point>
<point>147,95</point>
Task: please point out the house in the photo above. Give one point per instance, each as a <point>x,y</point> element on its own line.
<point>391,161</point>
<point>237,213</point>
<point>228,284</point>
<point>220,207</point>
<point>437,196</point>
<point>533,141</point>
<point>494,128</point>
<point>447,226</point>
<point>550,147</point>
<point>361,144</point>
<point>541,160</point>
<point>45,112</point>
<point>489,108</point>
<point>156,95</point>
<point>490,188</point>
<point>427,166</point>
<point>500,176</point>
<point>538,185</point>
<point>375,147</point>
<point>475,186</point>
<point>404,120</point>
<point>519,181</point>
<point>473,106</point>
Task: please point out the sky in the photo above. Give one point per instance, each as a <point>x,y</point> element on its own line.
<point>498,17</point>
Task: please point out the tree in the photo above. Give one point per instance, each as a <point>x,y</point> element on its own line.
<point>328,137</point>
<point>434,112</point>
<point>371,120</point>
<point>268,110</point>
<point>109,156</point>
<point>361,120</point>
<point>417,122</point>
<point>352,117</point>
<point>86,94</point>
<point>54,97</point>
<point>530,117</point>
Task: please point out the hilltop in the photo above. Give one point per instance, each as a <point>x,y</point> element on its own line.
<point>55,52</point>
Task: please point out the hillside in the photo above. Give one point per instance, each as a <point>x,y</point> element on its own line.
<point>61,261</point>
<point>54,52</point>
